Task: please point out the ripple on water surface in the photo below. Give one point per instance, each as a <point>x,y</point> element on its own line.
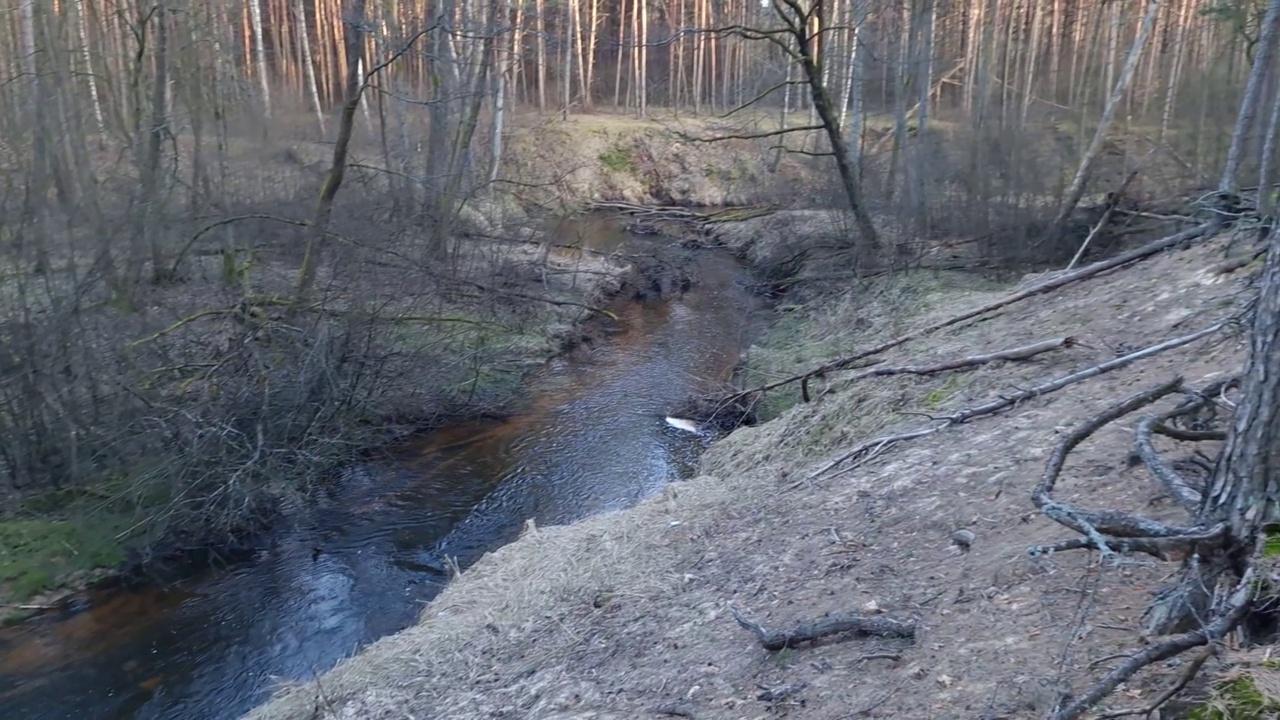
<point>361,563</point>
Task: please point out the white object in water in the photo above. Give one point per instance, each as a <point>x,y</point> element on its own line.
<point>683,424</point>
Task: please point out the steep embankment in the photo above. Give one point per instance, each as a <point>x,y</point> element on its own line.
<point>628,613</point>
<point>659,160</point>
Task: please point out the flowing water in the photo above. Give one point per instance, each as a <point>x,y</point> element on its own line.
<point>361,562</point>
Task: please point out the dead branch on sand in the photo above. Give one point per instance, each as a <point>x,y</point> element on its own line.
<point>857,624</point>
<point>1026,352</point>
<point>852,361</point>
<point>871,448</point>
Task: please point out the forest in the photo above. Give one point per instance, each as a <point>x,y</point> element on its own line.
<point>244,240</point>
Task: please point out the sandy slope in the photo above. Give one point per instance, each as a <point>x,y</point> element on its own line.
<point>626,614</point>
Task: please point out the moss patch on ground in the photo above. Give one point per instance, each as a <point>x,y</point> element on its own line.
<point>37,555</point>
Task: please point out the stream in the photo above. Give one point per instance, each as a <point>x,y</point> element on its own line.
<point>361,562</point>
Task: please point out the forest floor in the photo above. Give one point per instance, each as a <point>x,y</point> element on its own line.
<point>53,542</point>
<point>627,615</point>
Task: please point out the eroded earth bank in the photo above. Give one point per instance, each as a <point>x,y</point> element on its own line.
<point>819,512</point>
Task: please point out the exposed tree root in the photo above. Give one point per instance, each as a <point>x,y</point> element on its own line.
<point>852,361</point>
<point>1101,529</point>
<point>1205,605</point>
<point>1178,686</point>
<point>858,624</point>
<point>1234,609</point>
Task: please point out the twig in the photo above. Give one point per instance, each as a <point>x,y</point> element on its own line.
<point>871,448</point>
<point>859,624</point>
<point>675,708</point>
<point>883,699</point>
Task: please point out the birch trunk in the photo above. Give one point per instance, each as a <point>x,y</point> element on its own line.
<point>260,56</point>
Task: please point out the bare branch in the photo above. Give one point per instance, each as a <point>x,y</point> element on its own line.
<point>858,624</point>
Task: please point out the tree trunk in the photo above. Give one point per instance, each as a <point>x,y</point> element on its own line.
<point>507,52</point>
<point>260,56</point>
<point>1266,193</point>
<point>1076,191</point>
<point>1253,91</point>
<point>319,227</point>
<point>831,124</point>
<point>87,59</point>
<point>158,127</point>
<point>309,66</point>
<point>540,30</point>
<point>1246,485</point>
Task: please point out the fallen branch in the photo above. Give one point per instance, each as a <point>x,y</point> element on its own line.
<point>1088,271</point>
<point>1026,352</point>
<point>876,446</point>
<point>1114,201</point>
<point>1046,388</point>
<point>859,624</point>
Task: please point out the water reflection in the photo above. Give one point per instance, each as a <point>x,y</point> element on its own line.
<point>361,564</point>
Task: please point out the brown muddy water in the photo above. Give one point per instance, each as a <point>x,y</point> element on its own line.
<point>361,562</point>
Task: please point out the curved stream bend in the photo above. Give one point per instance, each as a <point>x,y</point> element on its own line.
<point>592,439</point>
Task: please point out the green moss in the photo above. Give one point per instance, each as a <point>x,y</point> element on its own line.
<point>939,395</point>
<point>1236,699</point>
<point>618,159</point>
<point>36,555</point>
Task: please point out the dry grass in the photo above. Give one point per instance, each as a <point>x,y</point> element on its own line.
<point>619,614</point>
<point>613,157</point>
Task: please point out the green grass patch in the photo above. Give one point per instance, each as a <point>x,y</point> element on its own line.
<point>618,159</point>
<point>1237,699</point>
<point>38,554</point>
<point>939,395</point>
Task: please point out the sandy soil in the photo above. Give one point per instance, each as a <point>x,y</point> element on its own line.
<point>626,615</point>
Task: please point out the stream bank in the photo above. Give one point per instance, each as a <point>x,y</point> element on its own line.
<point>626,613</point>
<point>358,561</point>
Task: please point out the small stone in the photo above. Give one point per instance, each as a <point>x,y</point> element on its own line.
<point>963,539</point>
